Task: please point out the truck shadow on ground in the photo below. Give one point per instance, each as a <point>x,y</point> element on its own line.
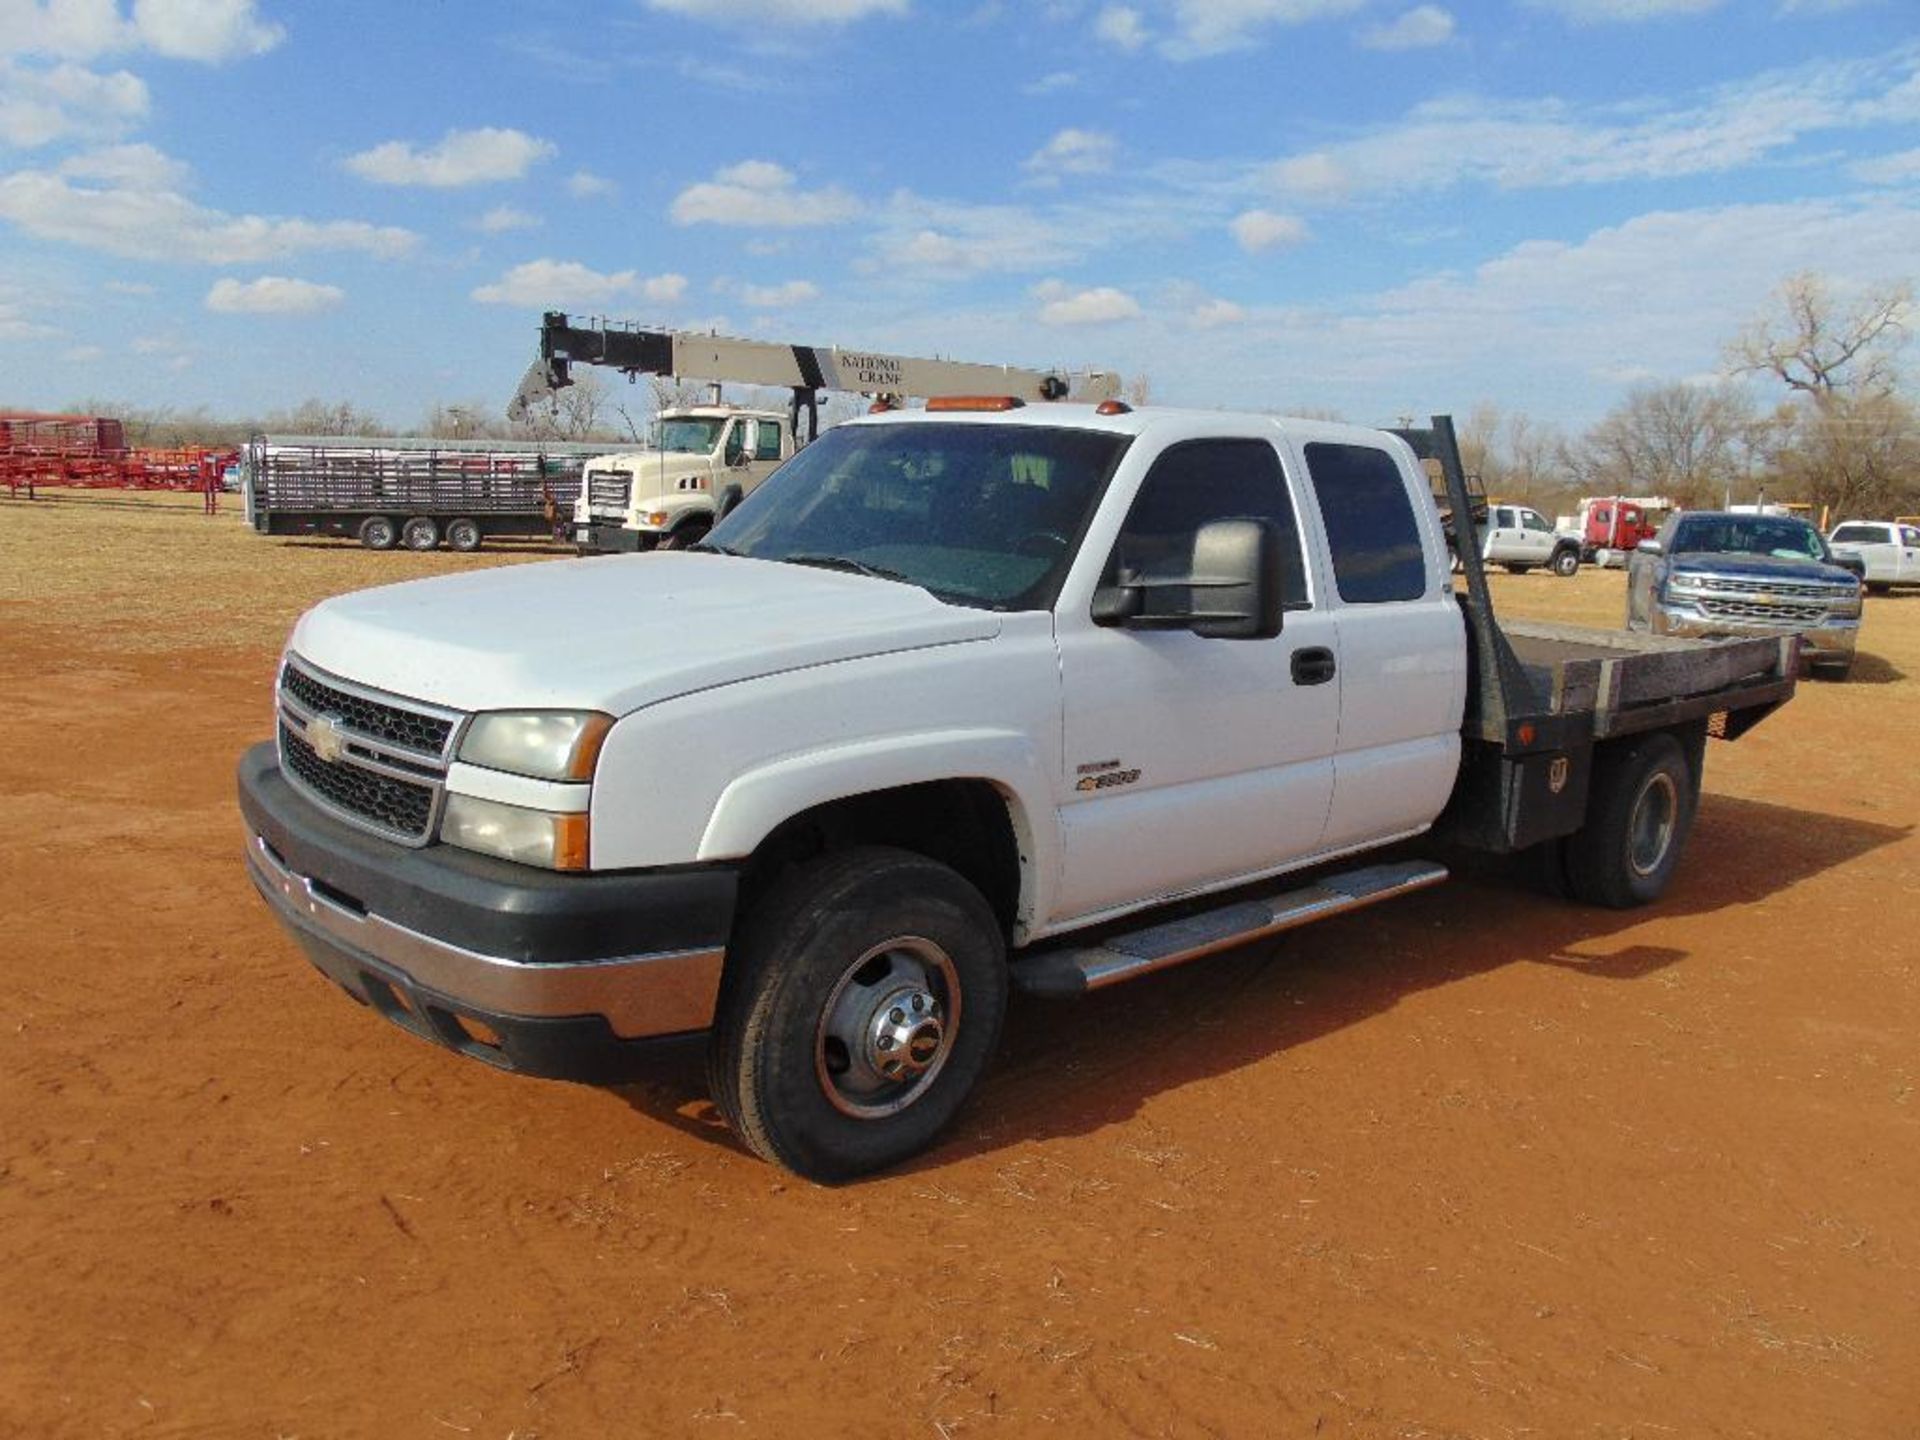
<point>1072,1067</point>
<point>1871,669</point>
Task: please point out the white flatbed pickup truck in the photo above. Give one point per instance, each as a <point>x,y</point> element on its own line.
<point>979,697</point>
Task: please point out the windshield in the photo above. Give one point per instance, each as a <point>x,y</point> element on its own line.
<point>687,436</point>
<point>1774,535</point>
<point>978,514</point>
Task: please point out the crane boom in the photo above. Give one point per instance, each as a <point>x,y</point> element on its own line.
<point>804,369</point>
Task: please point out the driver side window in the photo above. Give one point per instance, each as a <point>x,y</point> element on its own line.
<point>735,448</point>
<point>1190,485</point>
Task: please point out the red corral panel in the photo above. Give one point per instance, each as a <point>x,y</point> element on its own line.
<point>91,451</point>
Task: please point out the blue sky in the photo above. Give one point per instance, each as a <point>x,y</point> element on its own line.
<point>1365,206</point>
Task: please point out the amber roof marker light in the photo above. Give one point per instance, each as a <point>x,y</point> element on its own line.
<point>975,402</point>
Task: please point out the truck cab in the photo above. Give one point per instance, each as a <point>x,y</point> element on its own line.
<point>699,461</point>
<point>1521,539</point>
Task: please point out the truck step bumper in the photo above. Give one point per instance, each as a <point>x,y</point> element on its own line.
<point>1075,971</point>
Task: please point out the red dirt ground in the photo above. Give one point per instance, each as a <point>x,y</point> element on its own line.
<point>1473,1164</point>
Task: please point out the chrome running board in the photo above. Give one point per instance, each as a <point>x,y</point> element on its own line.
<point>1076,970</point>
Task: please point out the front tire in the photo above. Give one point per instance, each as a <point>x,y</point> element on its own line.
<point>685,537</point>
<point>861,1005</point>
<point>1644,795</point>
<point>1567,563</point>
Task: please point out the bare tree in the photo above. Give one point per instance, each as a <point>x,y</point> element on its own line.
<point>1685,441</point>
<point>325,417</point>
<point>1815,348</point>
<point>1856,455</point>
<point>462,420</point>
<point>583,410</point>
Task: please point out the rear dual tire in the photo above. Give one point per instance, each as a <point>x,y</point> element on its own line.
<point>1644,795</point>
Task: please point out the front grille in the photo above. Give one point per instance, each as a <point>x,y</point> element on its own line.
<point>376,719</point>
<point>381,761</point>
<point>1785,590</point>
<point>1754,610</point>
<point>402,808</point>
<point>608,489</point>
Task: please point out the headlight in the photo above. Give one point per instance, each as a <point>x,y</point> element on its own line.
<point>1845,604</point>
<point>530,837</point>
<point>545,744</point>
<point>1686,584</point>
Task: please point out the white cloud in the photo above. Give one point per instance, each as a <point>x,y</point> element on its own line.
<point>66,102</point>
<point>1121,26</point>
<point>585,185</point>
<point>502,218</point>
<point>1603,12</point>
<point>1102,305</point>
<point>760,194</point>
<point>1261,230</point>
<point>779,297</point>
<point>209,30</point>
<point>205,30</point>
<point>1052,84</point>
<point>1416,29</point>
<point>154,224</point>
<point>780,12</point>
<point>540,284</point>
<point>81,354</point>
<point>1898,169</point>
<point>1530,144</point>
<point>463,157</point>
<point>14,321</point>
<point>1211,314</point>
<point>272,295</point>
<point>1075,152</point>
<point>128,167</point>
<point>129,287</point>
<point>1209,27</point>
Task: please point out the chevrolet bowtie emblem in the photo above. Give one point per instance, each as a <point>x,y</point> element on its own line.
<point>326,737</point>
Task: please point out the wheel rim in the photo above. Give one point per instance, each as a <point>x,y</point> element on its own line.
<point>1650,832</point>
<point>419,535</point>
<point>888,1028</point>
<point>463,535</point>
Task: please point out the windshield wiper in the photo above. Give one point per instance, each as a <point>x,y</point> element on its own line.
<point>851,566</point>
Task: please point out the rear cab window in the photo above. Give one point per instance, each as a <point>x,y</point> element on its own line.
<point>1372,533</point>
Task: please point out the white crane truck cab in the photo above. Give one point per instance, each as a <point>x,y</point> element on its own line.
<point>666,496</point>
<point>951,691</point>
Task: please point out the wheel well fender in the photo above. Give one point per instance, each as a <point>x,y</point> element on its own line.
<point>977,800</point>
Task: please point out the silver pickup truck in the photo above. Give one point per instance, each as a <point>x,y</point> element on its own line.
<point>1712,572</point>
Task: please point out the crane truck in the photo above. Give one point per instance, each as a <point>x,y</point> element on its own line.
<point>702,460</point>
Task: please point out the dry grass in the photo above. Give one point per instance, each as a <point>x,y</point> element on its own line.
<point>150,567</point>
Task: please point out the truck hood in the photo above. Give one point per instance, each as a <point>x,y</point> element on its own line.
<point>1755,567</point>
<point>617,633</point>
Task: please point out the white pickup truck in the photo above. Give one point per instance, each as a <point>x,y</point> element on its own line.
<point>699,460</point>
<point>1889,551</point>
<point>980,697</point>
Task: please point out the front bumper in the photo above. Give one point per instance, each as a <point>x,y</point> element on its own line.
<point>1830,642</point>
<point>566,976</point>
<point>611,537</point>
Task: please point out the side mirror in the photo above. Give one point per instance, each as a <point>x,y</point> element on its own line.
<point>1849,560</point>
<point>1651,547</point>
<point>1233,587</point>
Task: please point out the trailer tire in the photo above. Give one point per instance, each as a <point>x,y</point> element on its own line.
<point>1566,562</point>
<point>862,1001</point>
<point>1644,795</point>
<point>463,535</point>
<point>421,532</point>
<point>378,532</point>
